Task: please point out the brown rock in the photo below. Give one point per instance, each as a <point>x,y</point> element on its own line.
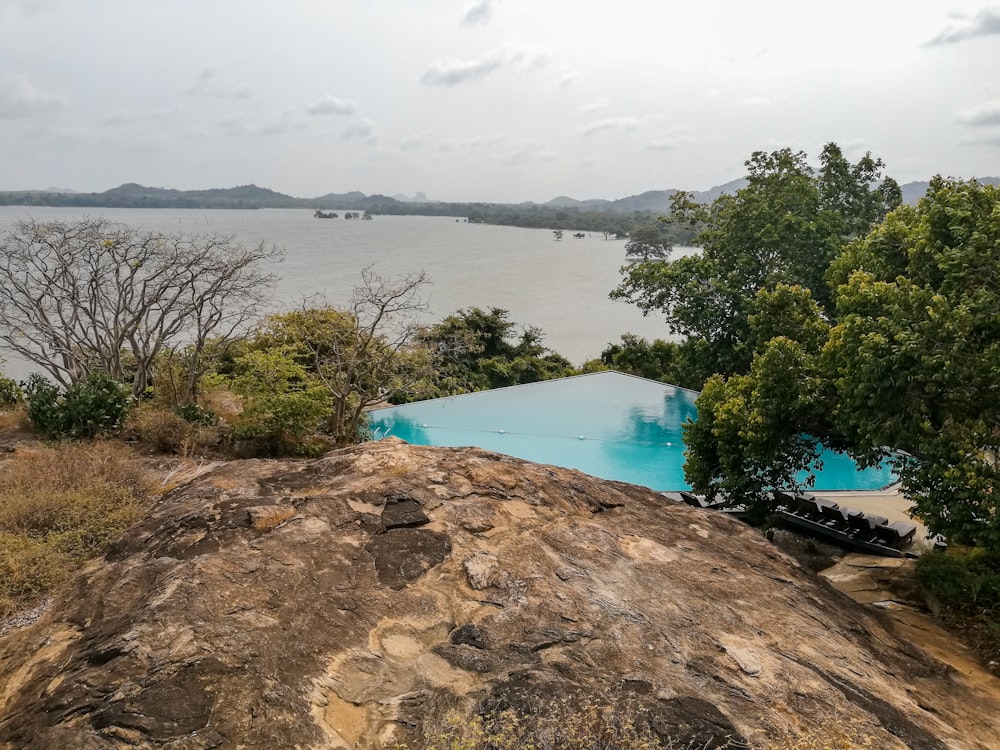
<point>402,581</point>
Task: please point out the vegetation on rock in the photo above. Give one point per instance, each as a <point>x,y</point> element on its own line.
<point>58,508</point>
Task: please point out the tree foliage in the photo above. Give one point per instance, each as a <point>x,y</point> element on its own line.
<point>475,349</point>
<point>97,296</point>
<point>283,403</point>
<point>358,356</point>
<point>907,373</point>
<point>915,358</point>
<point>784,227</point>
<point>647,242</point>
<point>94,405</point>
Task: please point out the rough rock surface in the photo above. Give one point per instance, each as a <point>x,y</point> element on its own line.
<point>346,601</point>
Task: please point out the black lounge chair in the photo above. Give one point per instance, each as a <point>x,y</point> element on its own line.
<point>895,534</point>
<point>833,515</point>
<point>786,500</point>
<point>695,501</point>
<point>812,507</point>
<point>864,525</point>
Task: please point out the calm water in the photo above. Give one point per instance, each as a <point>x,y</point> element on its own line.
<point>607,424</point>
<point>561,287</point>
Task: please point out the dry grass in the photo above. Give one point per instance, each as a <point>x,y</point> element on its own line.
<point>14,420</point>
<point>58,508</point>
<point>162,431</point>
<point>620,723</point>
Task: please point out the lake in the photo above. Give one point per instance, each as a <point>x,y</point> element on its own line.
<point>559,286</point>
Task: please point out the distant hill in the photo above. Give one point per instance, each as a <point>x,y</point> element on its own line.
<point>133,195</point>
<point>913,191</point>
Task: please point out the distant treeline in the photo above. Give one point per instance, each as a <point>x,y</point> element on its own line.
<point>609,222</point>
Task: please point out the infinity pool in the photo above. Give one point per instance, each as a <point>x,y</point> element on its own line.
<point>608,424</point>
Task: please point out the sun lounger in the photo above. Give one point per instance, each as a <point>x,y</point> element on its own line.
<point>838,517</point>
<point>895,534</point>
<point>695,501</point>
<point>812,507</point>
<point>864,525</point>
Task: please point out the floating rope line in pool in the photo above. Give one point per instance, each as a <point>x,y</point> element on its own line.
<point>579,438</point>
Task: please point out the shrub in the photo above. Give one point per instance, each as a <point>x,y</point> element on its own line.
<point>58,508</point>
<point>283,404</point>
<point>92,406</point>
<point>167,432</point>
<point>963,580</point>
<point>964,584</point>
<point>10,393</point>
<point>197,415</point>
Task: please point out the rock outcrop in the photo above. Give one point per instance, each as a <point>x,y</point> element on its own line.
<point>349,601</point>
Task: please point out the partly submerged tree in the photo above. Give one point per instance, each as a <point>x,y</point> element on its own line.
<point>908,373</point>
<point>784,227</point>
<point>97,296</point>
<point>647,242</point>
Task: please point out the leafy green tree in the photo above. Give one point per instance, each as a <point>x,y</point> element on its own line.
<point>758,430</point>
<point>753,431</point>
<point>666,361</point>
<point>283,403</point>
<point>475,349</point>
<point>647,242</point>
<point>907,373</point>
<point>783,228</point>
<point>915,357</point>
<point>361,355</point>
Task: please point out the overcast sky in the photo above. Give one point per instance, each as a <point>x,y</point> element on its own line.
<point>495,100</point>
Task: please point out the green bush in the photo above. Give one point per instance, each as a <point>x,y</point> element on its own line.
<point>283,404</point>
<point>10,393</point>
<point>93,406</point>
<point>194,414</point>
<point>965,584</point>
<point>963,580</point>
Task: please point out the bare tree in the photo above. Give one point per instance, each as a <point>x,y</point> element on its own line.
<point>98,296</point>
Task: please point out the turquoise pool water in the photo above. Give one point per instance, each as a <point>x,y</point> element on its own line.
<point>608,424</point>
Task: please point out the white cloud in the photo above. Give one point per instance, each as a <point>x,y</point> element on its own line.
<point>589,109</point>
<point>414,140</point>
<point>20,98</point>
<point>671,139</point>
<point>363,131</point>
<point>985,23</point>
<point>455,72</point>
<point>987,113</point>
<point>128,116</point>
<point>331,105</point>
<point>660,145</point>
<point>982,138</point>
<point>627,124</point>
<point>478,12</point>
<point>209,86</point>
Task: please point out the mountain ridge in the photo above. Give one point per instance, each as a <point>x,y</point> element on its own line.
<point>251,196</point>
